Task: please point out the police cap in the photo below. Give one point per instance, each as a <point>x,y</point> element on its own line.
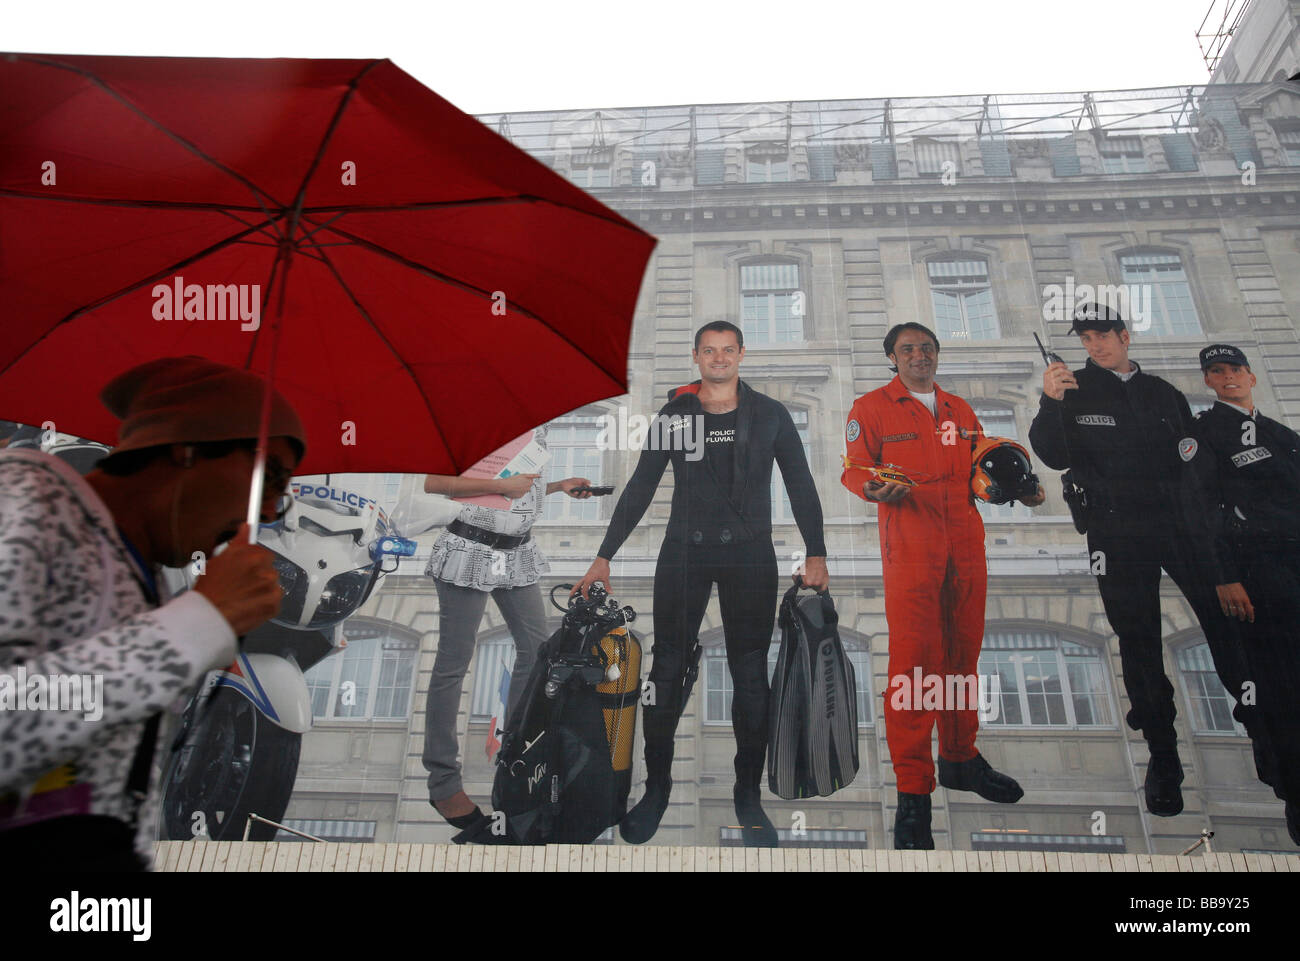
<point>1222,354</point>
<point>1096,317</point>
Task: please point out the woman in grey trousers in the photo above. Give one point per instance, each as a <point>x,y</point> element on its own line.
<point>483,552</point>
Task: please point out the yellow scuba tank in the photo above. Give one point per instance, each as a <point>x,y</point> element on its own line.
<point>621,652</point>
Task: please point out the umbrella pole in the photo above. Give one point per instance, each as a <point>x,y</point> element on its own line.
<point>264,421</point>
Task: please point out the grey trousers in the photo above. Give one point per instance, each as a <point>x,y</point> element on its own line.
<point>460,612</point>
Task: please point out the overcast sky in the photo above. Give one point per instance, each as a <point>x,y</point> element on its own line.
<point>500,55</point>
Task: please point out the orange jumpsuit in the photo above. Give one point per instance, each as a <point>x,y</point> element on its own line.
<point>935,573</point>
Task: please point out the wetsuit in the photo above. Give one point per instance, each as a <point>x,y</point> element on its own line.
<point>932,546</point>
<point>1250,469</point>
<point>719,531</point>
<point>1125,443</point>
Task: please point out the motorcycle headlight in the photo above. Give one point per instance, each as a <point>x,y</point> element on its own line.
<point>293,583</point>
<point>341,596</point>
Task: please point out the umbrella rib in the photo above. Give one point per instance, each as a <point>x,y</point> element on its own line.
<point>124,202</point>
<point>469,288</point>
<point>87,75</point>
<point>109,298</point>
<point>261,228</point>
<point>391,349</point>
<point>327,136</point>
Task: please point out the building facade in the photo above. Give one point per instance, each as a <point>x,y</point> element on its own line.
<point>1262,40</point>
<point>815,227</point>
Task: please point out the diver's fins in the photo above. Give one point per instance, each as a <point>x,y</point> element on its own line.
<point>813,746</point>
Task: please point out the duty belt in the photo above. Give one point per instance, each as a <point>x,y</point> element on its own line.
<point>503,542</point>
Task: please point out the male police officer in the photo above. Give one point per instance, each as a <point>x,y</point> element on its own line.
<point>1126,436</point>
<point>1250,468</point>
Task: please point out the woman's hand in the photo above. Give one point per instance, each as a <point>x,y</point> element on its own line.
<point>568,484</point>
<point>515,486</point>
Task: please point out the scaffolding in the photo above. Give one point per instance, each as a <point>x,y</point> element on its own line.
<point>850,124</point>
<point>1216,29</point>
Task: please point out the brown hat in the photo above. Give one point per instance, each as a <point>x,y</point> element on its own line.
<point>191,400</point>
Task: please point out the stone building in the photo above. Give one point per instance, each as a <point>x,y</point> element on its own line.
<point>816,226</point>
<point>1251,41</point>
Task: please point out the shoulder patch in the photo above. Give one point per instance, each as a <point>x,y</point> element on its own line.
<point>1187,448</point>
<point>853,431</point>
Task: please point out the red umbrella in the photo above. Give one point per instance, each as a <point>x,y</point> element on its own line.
<point>419,288</point>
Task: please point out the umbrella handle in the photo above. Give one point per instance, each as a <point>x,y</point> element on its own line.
<point>255,489</point>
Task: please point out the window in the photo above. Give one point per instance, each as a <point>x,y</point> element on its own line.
<point>767,165</point>
<point>328,830</point>
<point>591,175</point>
<point>718,689</point>
<point>1043,681</point>
<point>1290,141</point>
<point>1159,284</point>
<point>370,679</point>
<point>993,840</point>
<point>1211,703</point>
<point>572,443</point>
<point>494,661</point>
<point>1123,155</point>
<point>963,300</point>
<point>781,510</point>
<point>772,305</point>
<point>1000,422</point>
<point>734,837</point>
<point>934,158</point>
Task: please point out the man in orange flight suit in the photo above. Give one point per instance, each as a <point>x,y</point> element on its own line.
<point>932,541</point>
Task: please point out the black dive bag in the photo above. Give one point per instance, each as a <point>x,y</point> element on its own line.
<point>564,769</point>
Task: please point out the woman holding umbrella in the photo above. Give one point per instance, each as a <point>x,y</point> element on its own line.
<point>484,552</point>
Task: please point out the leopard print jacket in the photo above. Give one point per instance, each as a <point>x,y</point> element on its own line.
<point>71,604</point>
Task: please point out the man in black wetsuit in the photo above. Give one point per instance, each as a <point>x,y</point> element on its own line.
<point>719,531</point>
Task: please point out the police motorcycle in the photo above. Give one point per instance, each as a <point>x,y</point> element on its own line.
<point>235,751</point>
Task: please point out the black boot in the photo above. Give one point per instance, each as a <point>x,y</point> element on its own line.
<point>749,721</point>
<point>755,827</point>
<point>1293,821</point>
<point>1164,775</point>
<point>978,775</point>
<point>640,824</point>
<point>912,823</point>
<point>1266,767</point>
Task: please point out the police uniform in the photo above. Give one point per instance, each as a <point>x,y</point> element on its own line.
<point>1128,443</point>
<point>1249,466</point>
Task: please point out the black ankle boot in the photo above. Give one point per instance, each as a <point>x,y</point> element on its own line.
<point>755,827</point>
<point>912,823</point>
<point>1293,821</point>
<point>978,775</point>
<point>1164,774</point>
<point>640,824</point>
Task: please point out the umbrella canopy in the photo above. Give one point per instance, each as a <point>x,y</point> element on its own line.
<point>423,289</point>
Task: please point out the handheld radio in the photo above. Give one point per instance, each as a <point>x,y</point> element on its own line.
<point>1050,357</point>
